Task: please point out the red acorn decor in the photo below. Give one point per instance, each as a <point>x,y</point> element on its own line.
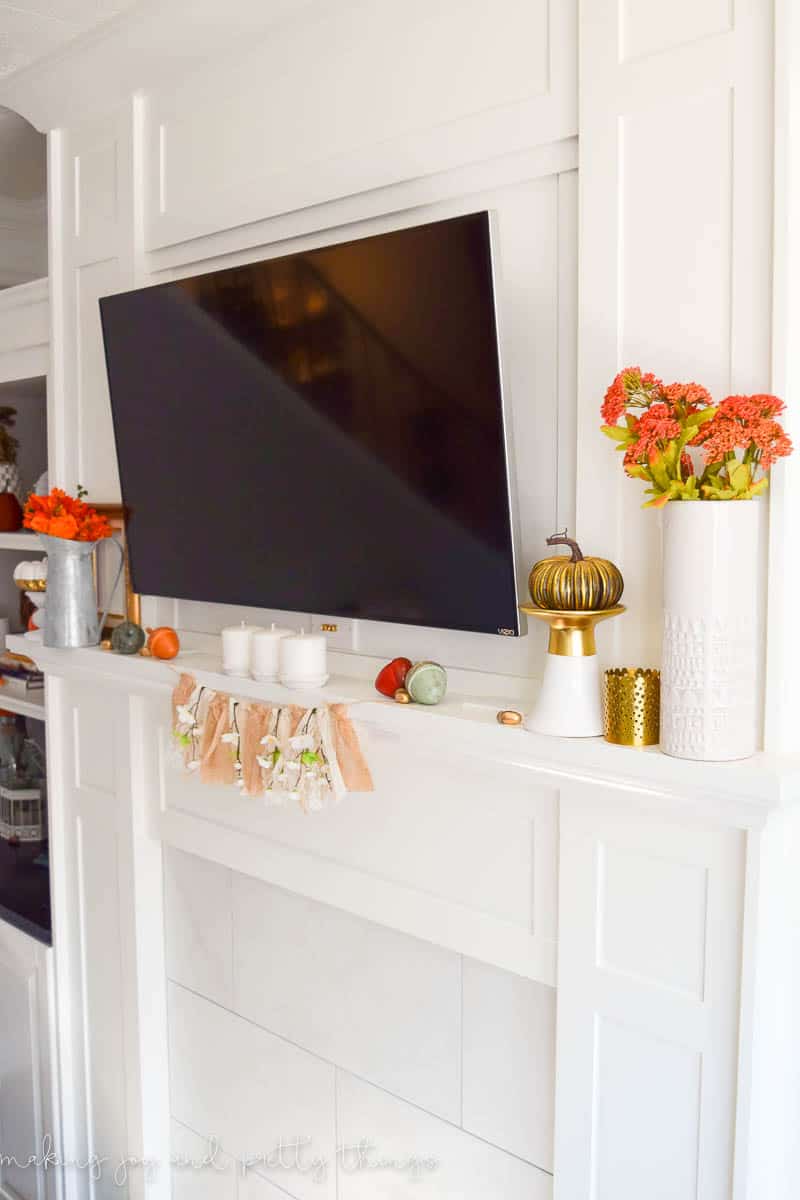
<point>392,677</point>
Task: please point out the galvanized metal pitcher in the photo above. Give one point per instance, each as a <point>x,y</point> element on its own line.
<point>70,616</point>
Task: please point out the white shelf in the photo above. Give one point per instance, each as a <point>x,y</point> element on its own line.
<point>23,539</point>
<point>28,706</point>
<point>737,794</point>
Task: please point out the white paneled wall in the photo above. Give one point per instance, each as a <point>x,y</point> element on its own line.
<point>431,1052</point>
<point>675,262</point>
<point>91,243</point>
<point>382,852</point>
<point>26,1065</point>
<point>650,954</point>
<point>453,84</point>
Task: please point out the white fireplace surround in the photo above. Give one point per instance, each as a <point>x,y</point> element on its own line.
<point>558,966</point>
<point>571,967</point>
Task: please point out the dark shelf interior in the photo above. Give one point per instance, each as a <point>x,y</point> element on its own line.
<point>25,888</point>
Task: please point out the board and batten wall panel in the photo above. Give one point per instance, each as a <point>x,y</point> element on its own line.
<point>26,1108</point>
<point>91,199</point>
<point>650,946</point>
<point>379,854</point>
<point>110,995</point>
<point>675,270</point>
<point>342,99</point>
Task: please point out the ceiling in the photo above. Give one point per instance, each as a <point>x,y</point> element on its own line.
<point>32,29</point>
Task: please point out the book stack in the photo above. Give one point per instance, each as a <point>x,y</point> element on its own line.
<point>19,677</point>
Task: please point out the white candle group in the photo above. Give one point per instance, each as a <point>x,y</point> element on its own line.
<point>236,641</point>
<point>265,652</point>
<point>303,660</point>
<point>297,659</point>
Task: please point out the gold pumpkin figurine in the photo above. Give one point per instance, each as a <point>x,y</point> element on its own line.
<point>575,584</point>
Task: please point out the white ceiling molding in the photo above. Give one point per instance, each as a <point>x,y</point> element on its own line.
<point>149,45</point>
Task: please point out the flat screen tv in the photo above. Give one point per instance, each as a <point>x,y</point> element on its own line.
<point>322,432</point>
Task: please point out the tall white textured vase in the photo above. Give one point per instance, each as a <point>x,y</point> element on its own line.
<point>710,699</point>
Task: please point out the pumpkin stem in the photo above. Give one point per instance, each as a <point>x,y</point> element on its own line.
<point>561,539</point>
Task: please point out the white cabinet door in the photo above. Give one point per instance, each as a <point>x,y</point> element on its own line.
<point>650,936</point>
<point>25,1093</point>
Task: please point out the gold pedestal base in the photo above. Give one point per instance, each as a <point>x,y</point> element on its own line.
<point>572,633</point>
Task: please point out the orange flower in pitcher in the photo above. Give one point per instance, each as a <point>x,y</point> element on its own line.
<point>61,515</point>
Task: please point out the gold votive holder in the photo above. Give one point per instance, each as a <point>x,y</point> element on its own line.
<point>631,706</point>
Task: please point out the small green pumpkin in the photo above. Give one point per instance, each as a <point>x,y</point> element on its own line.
<point>127,638</point>
<point>575,584</point>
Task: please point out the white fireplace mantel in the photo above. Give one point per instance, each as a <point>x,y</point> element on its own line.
<point>658,897</point>
<point>740,794</point>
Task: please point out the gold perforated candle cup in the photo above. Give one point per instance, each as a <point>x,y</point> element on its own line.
<point>631,706</point>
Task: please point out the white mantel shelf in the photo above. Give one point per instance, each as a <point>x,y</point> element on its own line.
<point>741,794</point>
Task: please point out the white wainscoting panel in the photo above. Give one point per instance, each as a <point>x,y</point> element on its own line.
<point>387,99</point>
<point>465,1166</point>
<point>650,27</point>
<point>235,1082</point>
<point>674,273</point>
<point>649,998</point>
<point>686,138</point>
<point>86,848</point>
<point>26,1113</point>
<point>91,206</point>
<point>108,934</point>
<point>654,1151</point>
<point>378,1003</point>
<point>379,854</point>
<point>653,918</point>
<point>509,1032</point>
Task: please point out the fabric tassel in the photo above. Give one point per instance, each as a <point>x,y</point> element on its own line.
<point>283,753</point>
<point>216,759</point>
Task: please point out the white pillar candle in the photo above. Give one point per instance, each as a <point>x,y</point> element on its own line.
<point>236,648</point>
<point>303,660</point>
<point>265,652</point>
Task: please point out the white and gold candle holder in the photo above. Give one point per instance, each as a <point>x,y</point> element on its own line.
<point>569,703</point>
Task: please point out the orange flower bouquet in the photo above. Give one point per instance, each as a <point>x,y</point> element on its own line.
<point>64,516</point>
<point>735,443</point>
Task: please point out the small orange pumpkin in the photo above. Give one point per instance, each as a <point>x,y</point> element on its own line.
<point>163,642</point>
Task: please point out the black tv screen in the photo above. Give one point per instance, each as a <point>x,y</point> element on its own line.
<point>321,432</point>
